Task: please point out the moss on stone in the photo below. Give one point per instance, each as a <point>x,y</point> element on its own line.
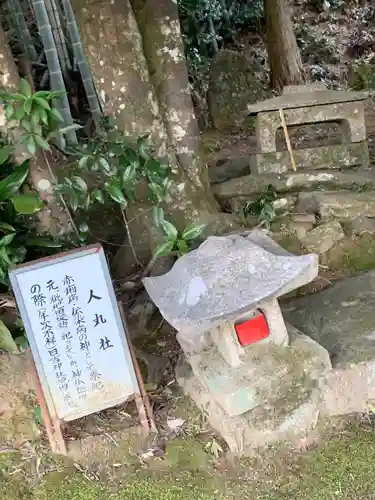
<point>352,255</point>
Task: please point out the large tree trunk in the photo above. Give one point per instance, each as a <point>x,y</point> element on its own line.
<point>283,52</point>
<point>143,66</point>
<point>53,219</point>
<point>113,46</point>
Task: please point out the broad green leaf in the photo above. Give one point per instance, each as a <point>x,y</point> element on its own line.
<point>104,164</point>
<point>42,143</point>
<point>182,246</point>
<point>36,128</point>
<point>19,113</point>
<point>35,117</point>
<point>42,241</point>
<point>5,153</point>
<point>87,202</point>
<point>43,116</point>
<point>25,88</point>
<point>31,145</point>
<point>4,256</point>
<point>8,238</point>
<point>49,94</point>
<point>192,232</point>
<point>26,125</point>
<point>82,162</point>
<point>14,181</point>
<point>169,229</point>
<point>165,249</point>
<point>79,184</point>
<point>28,203</point>
<point>19,254</point>
<point>97,195</point>
<point>157,215</point>
<point>6,340</point>
<point>6,228</point>
<point>9,96</point>
<point>116,194</point>
<point>56,115</point>
<point>73,201</point>
<point>39,101</point>
<point>130,172</point>
<point>27,106</point>
<point>70,128</point>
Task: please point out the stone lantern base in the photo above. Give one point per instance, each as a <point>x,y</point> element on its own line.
<point>284,391</point>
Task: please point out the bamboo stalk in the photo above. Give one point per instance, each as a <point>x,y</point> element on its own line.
<point>58,35</point>
<point>287,139</point>
<point>56,77</point>
<point>212,30</point>
<point>87,80</point>
<point>25,38</point>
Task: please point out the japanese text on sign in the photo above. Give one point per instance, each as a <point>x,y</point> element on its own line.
<point>75,331</point>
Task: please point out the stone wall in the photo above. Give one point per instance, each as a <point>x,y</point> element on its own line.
<point>319,206</point>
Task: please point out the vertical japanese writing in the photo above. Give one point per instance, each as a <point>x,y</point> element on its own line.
<point>40,302</point>
<point>79,320</point>
<point>58,308</point>
<point>104,342</point>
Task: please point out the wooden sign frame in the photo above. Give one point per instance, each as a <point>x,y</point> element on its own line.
<point>48,410</point>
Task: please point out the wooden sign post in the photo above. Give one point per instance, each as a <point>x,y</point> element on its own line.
<point>83,357</point>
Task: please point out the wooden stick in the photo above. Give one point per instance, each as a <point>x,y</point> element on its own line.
<point>142,389</point>
<point>287,139</point>
<point>59,437</point>
<point>142,413</point>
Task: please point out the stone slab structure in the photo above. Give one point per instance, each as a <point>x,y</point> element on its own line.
<point>307,105</point>
<point>317,158</point>
<point>289,399</point>
<point>342,320</point>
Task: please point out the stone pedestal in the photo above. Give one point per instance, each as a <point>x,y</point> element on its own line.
<point>238,364</point>
<point>282,385</point>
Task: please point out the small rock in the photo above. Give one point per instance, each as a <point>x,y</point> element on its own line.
<point>307,203</point>
<point>175,423</point>
<point>304,218</point>
<point>363,225</point>
<point>301,224</point>
<point>323,238</point>
<point>236,166</point>
<point>139,314</point>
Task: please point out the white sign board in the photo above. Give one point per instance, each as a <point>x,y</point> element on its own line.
<point>74,327</point>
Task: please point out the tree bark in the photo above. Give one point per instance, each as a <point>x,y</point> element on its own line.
<point>52,219</point>
<point>113,47</point>
<point>283,53</point>
<point>143,65</point>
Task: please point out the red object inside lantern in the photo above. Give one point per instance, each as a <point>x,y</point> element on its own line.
<point>253,330</point>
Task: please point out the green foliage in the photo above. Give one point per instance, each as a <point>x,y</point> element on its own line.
<point>362,74</point>
<point>110,167</point>
<point>316,47</point>
<point>35,118</point>
<point>262,207</point>
<point>32,113</point>
<point>206,26</point>
<point>175,242</point>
